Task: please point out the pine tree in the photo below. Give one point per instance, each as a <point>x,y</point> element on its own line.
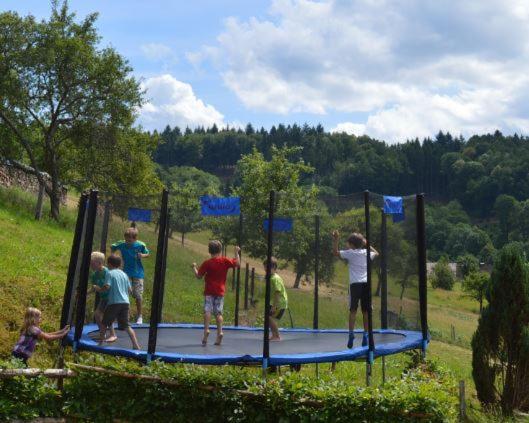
<point>500,346</point>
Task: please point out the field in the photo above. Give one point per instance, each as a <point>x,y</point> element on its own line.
<point>35,257</point>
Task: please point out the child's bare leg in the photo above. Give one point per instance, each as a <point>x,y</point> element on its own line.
<point>138,306</point>
<point>275,330</point>
<point>366,321</point>
<point>133,338</point>
<point>220,334</point>
<point>207,318</point>
<point>352,318</point>
<point>102,332</point>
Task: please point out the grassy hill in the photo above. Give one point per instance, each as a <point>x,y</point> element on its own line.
<point>35,257</point>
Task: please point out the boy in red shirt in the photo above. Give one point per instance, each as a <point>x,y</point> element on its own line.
<point>215,271</point>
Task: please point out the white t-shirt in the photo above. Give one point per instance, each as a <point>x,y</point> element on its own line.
<point>356,260</point>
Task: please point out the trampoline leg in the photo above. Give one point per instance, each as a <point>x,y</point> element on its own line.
<point>423,352</point>
<point>383,370</point>
<point>369,368</point>
<point>333,366</point>
<point>265,367</point>
<point>317,371</point>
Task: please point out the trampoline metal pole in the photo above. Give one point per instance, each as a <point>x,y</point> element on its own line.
<point>74,256</point>
<point>370,354</point>
<point>246,280</point>
<point>158,276</point>
<point>252,285</point>
<point>85,268</point>
<point>423,277</point>
<point>238,277</point>
<point>384,271</point>
<point>164,266</point>
<point>316,271</point>
<point>104,229</point>
<point>269,250</point>
<point>237,295</point>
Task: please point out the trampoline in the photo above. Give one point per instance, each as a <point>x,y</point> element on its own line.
<point>402,317</point>
<point>181,343</point>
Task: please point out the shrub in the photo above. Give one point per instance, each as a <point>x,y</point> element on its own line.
<point>229,394</point>
<point>500,346</point>
<point>442,275</point>
<point>27,398</point>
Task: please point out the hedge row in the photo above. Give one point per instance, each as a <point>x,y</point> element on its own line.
<point>227,394</point>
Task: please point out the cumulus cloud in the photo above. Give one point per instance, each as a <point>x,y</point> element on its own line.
<point>413,66</point>
<point>173,102</point>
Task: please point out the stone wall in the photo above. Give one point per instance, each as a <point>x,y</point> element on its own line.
<point>15,174</point>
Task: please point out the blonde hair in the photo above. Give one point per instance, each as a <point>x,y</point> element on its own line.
<point>98,257</point>
<point>132,232</point>
<point>30,318</point>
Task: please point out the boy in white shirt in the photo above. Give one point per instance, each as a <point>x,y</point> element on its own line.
<point>356,259</point>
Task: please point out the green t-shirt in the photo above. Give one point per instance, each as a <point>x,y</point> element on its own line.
<point>279,293</point>
<point>98,278</point>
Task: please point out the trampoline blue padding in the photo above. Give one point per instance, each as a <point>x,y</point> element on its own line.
<point>181,343</point>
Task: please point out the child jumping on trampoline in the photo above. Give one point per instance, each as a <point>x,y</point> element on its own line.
<point>356,257</point>
<point>31,334</point>
<point>214,271</point>
<point>117,284</point>
<point>279,299</point>
<point>132,252</point>
<point>99,275</point>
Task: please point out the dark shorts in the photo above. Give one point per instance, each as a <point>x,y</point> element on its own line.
<point>277,314</point>
<point>358,292</point>
<point>119,312</point>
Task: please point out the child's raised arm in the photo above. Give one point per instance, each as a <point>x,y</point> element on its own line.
<point>335,240</point>
<point>238,255</point>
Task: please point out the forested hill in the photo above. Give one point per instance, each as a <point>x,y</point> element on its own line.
<point>473,171</point>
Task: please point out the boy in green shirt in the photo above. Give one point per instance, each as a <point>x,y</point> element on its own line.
<point>279,299</point>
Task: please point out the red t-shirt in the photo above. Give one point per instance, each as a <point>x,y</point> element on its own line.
<point>216,270</point>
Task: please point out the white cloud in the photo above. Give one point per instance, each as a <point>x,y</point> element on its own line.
<point>157,52</point>
<point>413,66</point>
<point>173,102</point>
<point>350,128</point>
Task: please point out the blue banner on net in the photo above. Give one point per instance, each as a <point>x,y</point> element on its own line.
<point>139,215</point>
<point>280,225</point>
<point>395,207</point>
<point>220,206</point>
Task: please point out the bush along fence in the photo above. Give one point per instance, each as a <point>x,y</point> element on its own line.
<point>100,391</point>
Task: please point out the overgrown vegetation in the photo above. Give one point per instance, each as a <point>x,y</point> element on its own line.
<point>232,394</point>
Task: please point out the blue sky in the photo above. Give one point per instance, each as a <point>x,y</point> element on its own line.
<point>392,69</point>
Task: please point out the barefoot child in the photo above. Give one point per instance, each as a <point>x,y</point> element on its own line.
<point>100,272</point>
<point>132,252</point>
<point>31,334</point>
<point>279,299</point>
<point>118,286</point>
<point>214,271</point>
<point>356,257</point>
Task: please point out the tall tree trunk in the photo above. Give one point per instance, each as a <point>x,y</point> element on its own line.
<point>298,279</point>
<point>404,283</point>
<point>55,197</point>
